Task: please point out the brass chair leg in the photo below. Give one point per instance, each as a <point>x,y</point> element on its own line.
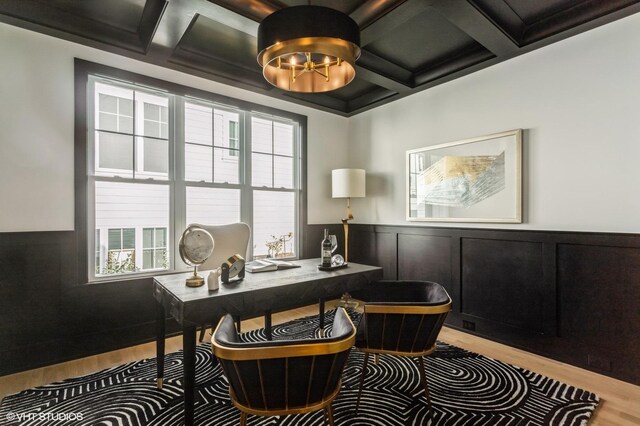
<point>364,372</point>
<point>243,419</point>
<point>329,411</point>
<point>376,358</point>
<point>423,379</point>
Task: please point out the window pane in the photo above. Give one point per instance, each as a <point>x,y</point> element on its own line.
<point>198,124</point>
<point>283,139</point>
<point>114,108</point>
<point>261,135</point>
<point>129,238</point>
<point>161,237</point>
<point>115,239</point>
<point>212,206</point>
<point>262,168</point>
<point>108,122</point>
<point>147,259</point>
<point>155,156</point>
<point>273,216</point>
<point>148,113</point>
<point>233,130</point>
<point>125,107</point>
<point>151,112</point>
<point>282,172</point>
<point>147,238</point>
<point>107,103</point>
<point>125,124</point>
<point>226,168</point>
<point>198,163</point>
<point>152,128</point>
<point>129,208</point>
<point>160,259</point>
<point>114,152</point>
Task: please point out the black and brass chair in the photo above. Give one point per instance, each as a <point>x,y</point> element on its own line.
<point>402,318</point>
<point>282,377</point>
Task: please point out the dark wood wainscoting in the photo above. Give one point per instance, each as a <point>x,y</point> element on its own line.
<point>571,296</point>
<point>47,316</point>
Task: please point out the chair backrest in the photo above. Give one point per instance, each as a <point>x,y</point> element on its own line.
<point>403,317</point>
<point>283,376</point>
<point>229,239</point>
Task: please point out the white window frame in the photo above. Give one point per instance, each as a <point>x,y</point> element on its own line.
<point>175,178</point>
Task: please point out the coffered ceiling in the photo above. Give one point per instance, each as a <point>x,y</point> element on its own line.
<point>407,45</point>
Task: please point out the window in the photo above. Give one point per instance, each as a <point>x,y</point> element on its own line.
<point>159,161</point>
<point>98,254</point>
<point>154,248</point>
<point>234,139</point>
<point>121,250</point>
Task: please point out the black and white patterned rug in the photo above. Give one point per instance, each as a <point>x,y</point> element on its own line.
<point>466,389</point>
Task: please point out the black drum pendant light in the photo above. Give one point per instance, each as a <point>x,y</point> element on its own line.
<point>308,49</point>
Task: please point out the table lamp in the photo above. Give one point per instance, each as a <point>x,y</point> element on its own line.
<point>347,183</point>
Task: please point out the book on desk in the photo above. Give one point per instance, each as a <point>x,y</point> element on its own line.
<point>266,265</point>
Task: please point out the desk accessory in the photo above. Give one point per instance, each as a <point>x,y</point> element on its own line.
<point>195,247</point>
<point>232,267</point>
<point>213,280</point>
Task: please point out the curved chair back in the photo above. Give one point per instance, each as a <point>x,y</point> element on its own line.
<point>403,317</point>
<point>285,376</point>
<point>229,239</point>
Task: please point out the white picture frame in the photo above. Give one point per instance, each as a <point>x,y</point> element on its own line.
<point>472,180</point>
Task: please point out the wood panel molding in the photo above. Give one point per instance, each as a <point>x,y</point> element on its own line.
<point>571,296</point>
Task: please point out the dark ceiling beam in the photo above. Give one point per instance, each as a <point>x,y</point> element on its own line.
<point>221,68</point>
<point>576,15</point>
<point>179,15</point>
<point>151,15</point>
<point>381,80</point>
<point>384,73</point>
<point>368,98</point>
<point>56,22</point>
<point>460,62</point>
<point>315,100</point>
<point>473,22</point>
<point>372,10</point>
<point>256,10</point>
<point>394,18</point>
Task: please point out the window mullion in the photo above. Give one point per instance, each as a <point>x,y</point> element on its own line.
<point>135,140</point>
<point>246,194</point>
<point>179,203</point>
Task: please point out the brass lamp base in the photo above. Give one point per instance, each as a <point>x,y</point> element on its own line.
<point>195,281</point>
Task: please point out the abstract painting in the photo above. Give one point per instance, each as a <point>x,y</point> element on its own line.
<point>474,180</point>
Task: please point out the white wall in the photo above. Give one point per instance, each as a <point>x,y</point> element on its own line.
<point>578,101</point>
<point>37,119</point>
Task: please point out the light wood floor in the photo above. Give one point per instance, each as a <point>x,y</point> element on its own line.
<point>619,406</point>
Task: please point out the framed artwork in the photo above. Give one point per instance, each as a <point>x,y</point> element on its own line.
<point>473,180</point>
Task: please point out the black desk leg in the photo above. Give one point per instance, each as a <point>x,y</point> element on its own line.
<point>189,352</point>
<point>267,325</point>
<point>160,335</point>
<point>321,316</point>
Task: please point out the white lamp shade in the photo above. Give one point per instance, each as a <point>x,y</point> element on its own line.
<point>348,183</point>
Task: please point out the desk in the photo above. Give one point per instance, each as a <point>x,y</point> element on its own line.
<point>257,294</point>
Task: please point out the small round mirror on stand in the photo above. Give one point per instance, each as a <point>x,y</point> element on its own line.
<point>195,247</point>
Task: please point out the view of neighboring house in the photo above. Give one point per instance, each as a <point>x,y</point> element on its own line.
<point>147,152</point>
